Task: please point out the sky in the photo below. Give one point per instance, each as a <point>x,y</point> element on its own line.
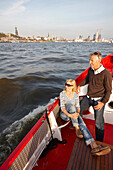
<point>66,18</point>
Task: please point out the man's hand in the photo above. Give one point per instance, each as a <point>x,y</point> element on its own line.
<point>99,106</point>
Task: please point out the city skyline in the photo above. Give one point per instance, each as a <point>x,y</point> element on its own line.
<point>57,17</point>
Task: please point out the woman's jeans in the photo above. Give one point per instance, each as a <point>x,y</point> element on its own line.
<point>99,118</point>
<point>79,121</point>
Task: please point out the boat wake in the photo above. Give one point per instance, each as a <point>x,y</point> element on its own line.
<point>12,135</point>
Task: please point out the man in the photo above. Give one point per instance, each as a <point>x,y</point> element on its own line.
<point>99,90</point>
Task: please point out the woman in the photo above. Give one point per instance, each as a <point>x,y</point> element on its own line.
<point>69,102</point>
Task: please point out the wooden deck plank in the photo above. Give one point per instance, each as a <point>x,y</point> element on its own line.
<point>98,163</point>
<point>73,152</point>
<point>76,154</point>
<point>106,161</point>
<point>81,158</point>
<point>86,159</point>
<point>111,160</point>
<point>81,146</point>
<point>90,163</point>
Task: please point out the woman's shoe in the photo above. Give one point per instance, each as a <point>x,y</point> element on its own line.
<point>71,127</point>
<point>100,150</point>
<point>79,133</point>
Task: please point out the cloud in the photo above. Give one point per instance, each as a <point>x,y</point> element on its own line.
<point>16,8</point>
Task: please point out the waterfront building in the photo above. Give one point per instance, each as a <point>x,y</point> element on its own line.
<point>99,37</point>
<point>33,37</point>
<point>48,37</point>
<point>38,38</point>
<point>96,37</point>
<point>89,38</point>
<point>16,31</point>
<point>80,37</point>
<point>9,34</point>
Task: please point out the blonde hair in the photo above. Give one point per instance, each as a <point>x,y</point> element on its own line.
<point>72,82</point>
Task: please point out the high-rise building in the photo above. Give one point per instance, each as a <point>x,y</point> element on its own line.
<point>16,31</point>
<point>48,37</point>
<point>89,38</point>
<point>94,37</point>
<point>99,37</point>
<point>80,37</point>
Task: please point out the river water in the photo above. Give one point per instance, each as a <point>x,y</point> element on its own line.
<point>31,76</point>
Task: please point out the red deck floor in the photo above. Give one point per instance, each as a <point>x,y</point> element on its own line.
<point>57,159</point>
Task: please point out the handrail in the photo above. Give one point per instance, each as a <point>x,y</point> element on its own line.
<point>10,160</point>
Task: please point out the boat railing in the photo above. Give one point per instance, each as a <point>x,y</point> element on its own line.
<point>31,147</point>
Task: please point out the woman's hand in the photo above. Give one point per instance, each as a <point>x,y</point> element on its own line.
<point>78,90</point>
<point>74,115</point>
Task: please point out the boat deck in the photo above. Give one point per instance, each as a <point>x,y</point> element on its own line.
<point>59,158</point>
<point>82,159</point>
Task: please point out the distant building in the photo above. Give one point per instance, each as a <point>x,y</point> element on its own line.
<point>16,31</point>
<point>54,38</point>
<point>32,37</point>
<point>94,37</point>
<point>38,38</point>
<point>99,37</point>
<point>60,38</point>
<point>9,34</point>
<point>89,38</point>
<point>48,37</point>
<point>80,37</point>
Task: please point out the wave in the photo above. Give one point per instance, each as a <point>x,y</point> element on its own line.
<point>11,136</point>
<point>21,95</point>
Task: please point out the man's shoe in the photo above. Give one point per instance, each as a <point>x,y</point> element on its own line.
<point>100,150</point>
<point>79,133</point>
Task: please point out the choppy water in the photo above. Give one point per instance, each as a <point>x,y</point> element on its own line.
<point>31,76</point>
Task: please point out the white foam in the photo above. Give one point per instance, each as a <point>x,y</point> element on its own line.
<point>10,137</point>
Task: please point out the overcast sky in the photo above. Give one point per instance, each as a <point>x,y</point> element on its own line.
<point>67,18</point>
